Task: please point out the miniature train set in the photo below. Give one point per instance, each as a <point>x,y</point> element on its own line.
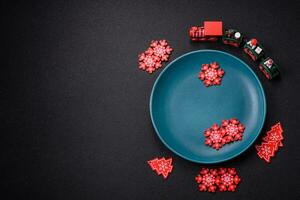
<point>213,31</point>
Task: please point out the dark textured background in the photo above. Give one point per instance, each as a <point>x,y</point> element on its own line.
<point>74,113</point>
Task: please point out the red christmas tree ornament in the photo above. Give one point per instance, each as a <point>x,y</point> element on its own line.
<point>161,166</point>
<point>266,150</point>
<point>276,133</point>
<point>274,136</point>
<point>272,141</point>
<point>211,74</point>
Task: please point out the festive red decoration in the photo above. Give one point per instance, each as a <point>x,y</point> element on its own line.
<point>153,57</point>
<point>211,74</point>
<point>162,166</point>
<point>274,136</point>
<point>226,179</point>
<point>272,141</point>
<point>231,130</point>
<point>149,62</point>
<point>215,137</point>
<point>160,49</point>
<point>213,28</point>
<point>266,150</point>
<point>206,180</point>
<point>234,129</point>
<point>253,42</point>
<point>197,34</point>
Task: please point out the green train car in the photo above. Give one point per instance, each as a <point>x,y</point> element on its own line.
<point>232,37</point>
<point>269,68</point>
<point>254,50</point>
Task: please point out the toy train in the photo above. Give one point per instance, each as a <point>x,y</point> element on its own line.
<point>213,30</point>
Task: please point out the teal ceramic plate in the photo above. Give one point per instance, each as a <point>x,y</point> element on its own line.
<point>181,107</point>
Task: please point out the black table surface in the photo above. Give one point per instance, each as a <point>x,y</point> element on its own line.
<point>75,106</point>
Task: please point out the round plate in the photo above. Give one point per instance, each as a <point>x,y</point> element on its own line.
<point>181,107</point>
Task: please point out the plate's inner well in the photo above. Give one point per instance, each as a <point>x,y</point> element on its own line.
<point>182,107</point>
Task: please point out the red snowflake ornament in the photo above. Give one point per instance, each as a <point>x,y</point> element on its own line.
<point>162,166</point>
<point>160,49</point>
<point>215,137</point>
<point>153,57</point>
<point>230,130</point>
<point>234,129</point>
<point>227,179</point>
<point>207,180</point>
<point>211,74</point>
<point>148,62</point>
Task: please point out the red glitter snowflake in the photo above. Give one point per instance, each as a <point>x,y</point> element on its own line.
<point>234,129</point>
<point>215,137</point>
<point>148,62</point>
<point>207,180</point>
<point>153,57</point>
<point>211,74</point>
<point>227,179</point>
<point>160,49</point>
<point>231,130</point>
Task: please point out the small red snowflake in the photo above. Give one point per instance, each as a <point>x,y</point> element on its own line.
<point>211,74</point>
<point>153,57</point>
<point>227,179</point>
<point>207,180</point>
<point>234,129</point>
<point>148,62</point>
<point>215,137</point>
<point>160,49</point>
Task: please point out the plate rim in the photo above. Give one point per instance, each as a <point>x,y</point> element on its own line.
<point>201,161</point>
